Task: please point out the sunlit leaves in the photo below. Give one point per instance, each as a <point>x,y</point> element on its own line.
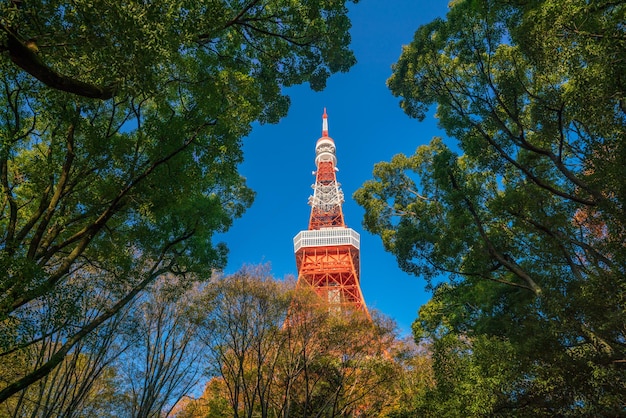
<point>141,47</point>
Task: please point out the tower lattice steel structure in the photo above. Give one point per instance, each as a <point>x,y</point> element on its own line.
<point>327,254</point>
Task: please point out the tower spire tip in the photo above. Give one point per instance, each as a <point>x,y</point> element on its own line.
<point>324,124</point>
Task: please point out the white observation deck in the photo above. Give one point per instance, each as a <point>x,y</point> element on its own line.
<point>326,237</point>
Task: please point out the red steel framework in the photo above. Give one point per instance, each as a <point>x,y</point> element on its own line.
<point>327,254</point>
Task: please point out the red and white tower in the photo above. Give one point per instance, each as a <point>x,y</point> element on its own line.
<point>327,254</point>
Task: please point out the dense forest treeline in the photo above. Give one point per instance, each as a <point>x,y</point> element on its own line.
<point>121,128</point>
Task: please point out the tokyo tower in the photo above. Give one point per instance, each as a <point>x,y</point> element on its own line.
<point>327,254</point>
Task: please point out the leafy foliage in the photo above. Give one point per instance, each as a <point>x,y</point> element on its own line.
<point>520,230</point>
<point>105,49</point>
<point>120,135</point>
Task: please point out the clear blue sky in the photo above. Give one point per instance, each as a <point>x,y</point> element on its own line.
<point>368,126</point>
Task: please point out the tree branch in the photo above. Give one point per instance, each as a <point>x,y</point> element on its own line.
<point>503,259</point>
<point>24,57</point>
<point>59,356</point>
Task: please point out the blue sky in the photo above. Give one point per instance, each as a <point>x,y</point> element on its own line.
<point>368,126</point>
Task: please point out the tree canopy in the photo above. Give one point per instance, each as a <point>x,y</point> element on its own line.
<point>518,227</point>
<point>120,135</point>
<point>106,48</point>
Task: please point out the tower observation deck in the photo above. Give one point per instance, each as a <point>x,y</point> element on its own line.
<point>328,253</point>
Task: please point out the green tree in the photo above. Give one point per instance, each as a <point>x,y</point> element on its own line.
<point>105,49</point>
<point>118,212</point>
<point>120,136</point>
<point>525,219</point>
